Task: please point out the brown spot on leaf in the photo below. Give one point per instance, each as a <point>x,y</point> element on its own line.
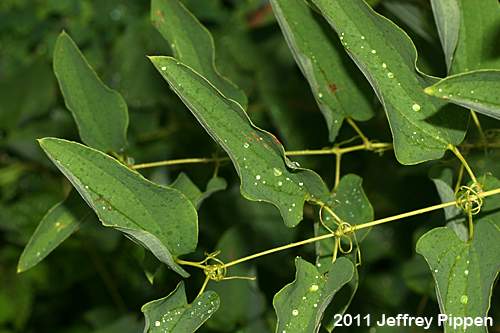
<point>332,87</point>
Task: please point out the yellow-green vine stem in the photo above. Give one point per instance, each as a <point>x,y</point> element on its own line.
<point>374,146</point>
<point>353,229</point>
<point>484,140</point>
<point>459,155</point>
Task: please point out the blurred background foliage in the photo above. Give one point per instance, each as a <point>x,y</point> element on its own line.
<point>98,280</point>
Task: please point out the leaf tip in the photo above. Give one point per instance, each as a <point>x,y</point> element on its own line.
<point>430,90</point>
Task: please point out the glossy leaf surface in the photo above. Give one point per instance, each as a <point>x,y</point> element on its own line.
<point>447,17</point>
<point>465,271</point>
<point>60,222</point>
<point>173,314</point>
<point>420,128</point>
<point>477,90</point>
<point>265,173</point>
<point>338,87</point>
<point>100,112</point>
<point>158,217</point>
<point>192,44</point>
<point>477,46</point>
<point>300,304</point>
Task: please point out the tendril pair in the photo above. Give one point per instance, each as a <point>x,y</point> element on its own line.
<point>344,231</point>
<point>217,271</point>
<point>468,200</point>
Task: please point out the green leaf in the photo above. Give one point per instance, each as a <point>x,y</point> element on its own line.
<point>60,222</point>
<point>447,17</point>
<point>160,218</point>
<point>173,313</point>
<point>478,35</point>
<point>265,173</point>
<point>241,300</point>
<point>337,85</point>
<point>192,44</point>
<point>100,112</point>
<point>352,206</point>
<point>443,180</point>
<point>477,90</point>
<point>466,271</point>
<point>421,129</point>
<point>300,304</point>
<point>341,302</point>
<point>184,184</point>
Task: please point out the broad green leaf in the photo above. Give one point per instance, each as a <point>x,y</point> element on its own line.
<point>160,218</point>
<point>352,206</point>
<point>173,314</point>
<point>300,304</point>
<point>265,173</point>
<point>192,44</point>
<point>184,184</point>
<point>466,271</point>
<point>443,180</point>
<point>447,17</point>
<point>60,222</point>
<point>100,112</point>
<point>421,129</point>
<point>477,90</point>
<point>241,301</point>
<point>337,85</point>
<point>477,46</point>
<point>341,302</point>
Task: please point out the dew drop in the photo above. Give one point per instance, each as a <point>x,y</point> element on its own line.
<point>157,323</point>
<point>416,107</point>
<point>384,65</point>
<point>362,37</point>
<point>257,177</point>
<point>163,68</point>
<point>464,299</point>
<point>280,183</point>
<point>466,272</point>
<point>320,95</point>
<point>295,312</point>
<point>435,271</point>
<point>301,184</point>
<point>390,75</point>
<point>472,92</point>
<point>246,145</point>
<point>314,288</point>
<point>277,172</point>
<point>374,51</point>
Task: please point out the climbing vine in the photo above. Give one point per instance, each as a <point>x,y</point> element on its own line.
<point>361,68</point>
